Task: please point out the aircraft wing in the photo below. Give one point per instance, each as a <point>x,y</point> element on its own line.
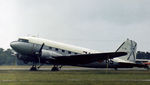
<point>85,58</point>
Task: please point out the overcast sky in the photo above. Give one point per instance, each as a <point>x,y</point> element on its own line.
<point>96,24</point>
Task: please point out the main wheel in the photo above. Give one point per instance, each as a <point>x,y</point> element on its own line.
<point>33,68</point>
<point>55,69</point>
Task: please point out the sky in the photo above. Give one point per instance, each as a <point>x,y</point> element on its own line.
<point>95,24</point>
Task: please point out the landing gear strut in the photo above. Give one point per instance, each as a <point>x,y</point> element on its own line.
<point>33,68</point>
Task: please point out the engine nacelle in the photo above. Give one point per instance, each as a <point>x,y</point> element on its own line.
<point>49,54</point>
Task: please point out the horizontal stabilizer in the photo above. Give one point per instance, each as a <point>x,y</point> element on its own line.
<point>133,65</point>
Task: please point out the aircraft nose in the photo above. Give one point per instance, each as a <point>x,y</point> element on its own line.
<point>17,46</point>
<point>22,47</point>
<point>13,45</point>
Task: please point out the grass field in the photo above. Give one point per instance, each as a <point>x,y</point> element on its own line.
<point>89,77</point>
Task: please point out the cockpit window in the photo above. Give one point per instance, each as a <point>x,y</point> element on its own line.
<point>23,40</point>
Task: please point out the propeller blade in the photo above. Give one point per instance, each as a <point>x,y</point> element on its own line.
<point>40,51</point>
<point>39,55</point>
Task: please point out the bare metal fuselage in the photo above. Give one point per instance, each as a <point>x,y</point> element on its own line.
<point>27,52</point>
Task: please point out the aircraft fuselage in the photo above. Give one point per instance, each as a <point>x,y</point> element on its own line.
<point>28,50</point>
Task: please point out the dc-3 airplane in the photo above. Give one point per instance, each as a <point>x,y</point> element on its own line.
<point>41,51</point>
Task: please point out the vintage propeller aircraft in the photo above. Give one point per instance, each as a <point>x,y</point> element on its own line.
<point>42,51</point>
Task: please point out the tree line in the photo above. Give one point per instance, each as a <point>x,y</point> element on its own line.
<point>142,55</point>
<point>7,57</point>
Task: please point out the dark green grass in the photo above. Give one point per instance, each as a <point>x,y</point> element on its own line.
<point>84,77</point>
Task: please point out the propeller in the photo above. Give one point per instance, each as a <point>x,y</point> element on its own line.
<point>40,51</point>
<point>40,54</point>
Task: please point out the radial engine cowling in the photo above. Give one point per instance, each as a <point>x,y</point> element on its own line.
<point>49,54</point>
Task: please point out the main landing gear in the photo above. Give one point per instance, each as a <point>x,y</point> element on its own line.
<point>33,68</point>
<point>56,68</point>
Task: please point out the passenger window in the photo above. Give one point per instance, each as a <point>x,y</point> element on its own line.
<point>56,49</point>
<point>63,51</point>
<point>69,52</point>
<point>76,53</point>
<point>50,47</point>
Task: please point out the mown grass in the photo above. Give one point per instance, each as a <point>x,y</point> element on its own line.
<point>29,66</point>
<point>89,77</point>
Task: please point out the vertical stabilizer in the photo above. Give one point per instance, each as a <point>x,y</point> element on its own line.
<point>130,47</point>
